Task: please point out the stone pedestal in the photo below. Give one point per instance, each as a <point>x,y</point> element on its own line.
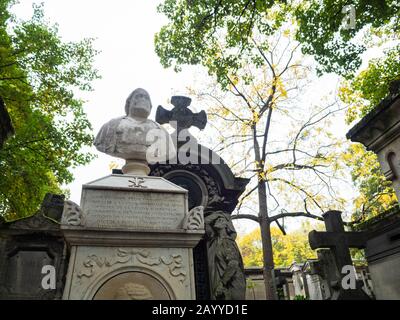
<point>132,238</point>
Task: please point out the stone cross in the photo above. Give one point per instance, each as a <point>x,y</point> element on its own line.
<point>181,114</point>
<point>337,239</point>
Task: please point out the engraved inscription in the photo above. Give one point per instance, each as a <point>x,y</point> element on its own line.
<point>142,210</point>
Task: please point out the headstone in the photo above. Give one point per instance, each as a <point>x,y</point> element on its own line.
<point>299,283</point>
<point>32,252</point>
<point>336,239</point>
<point>132,236</point>
<point>255,287</point>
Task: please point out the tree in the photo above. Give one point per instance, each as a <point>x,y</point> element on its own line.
<point>227,37</point>
<point>39,79</point>
<point>361,95</point>
<point>320,27</point>
<point>248,105</point>
<point>293,247</point>
<point>329,30</point>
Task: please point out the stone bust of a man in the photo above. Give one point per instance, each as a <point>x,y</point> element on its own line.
<point>134,137</point>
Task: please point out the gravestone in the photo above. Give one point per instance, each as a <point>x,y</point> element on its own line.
<point>209,181</point>
<point>299,280</point>
<point>132,236</point>
<point>27,246</point>
<point>339,242</point>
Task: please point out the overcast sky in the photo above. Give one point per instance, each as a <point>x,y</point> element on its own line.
<point>124,32</point>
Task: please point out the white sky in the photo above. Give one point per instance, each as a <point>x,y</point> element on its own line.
<point>124,32</point>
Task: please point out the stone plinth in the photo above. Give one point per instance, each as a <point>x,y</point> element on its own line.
<point>131,238</point>
<point>379,131</point>
<point>383,253</point>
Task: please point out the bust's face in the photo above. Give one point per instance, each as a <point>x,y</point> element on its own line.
<point>139,104</point>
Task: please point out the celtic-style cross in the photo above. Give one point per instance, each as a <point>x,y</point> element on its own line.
<point>181,117</point>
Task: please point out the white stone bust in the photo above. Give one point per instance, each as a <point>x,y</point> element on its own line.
<point>132,137</point>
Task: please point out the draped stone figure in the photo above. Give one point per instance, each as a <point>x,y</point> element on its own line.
<point>225,262</point>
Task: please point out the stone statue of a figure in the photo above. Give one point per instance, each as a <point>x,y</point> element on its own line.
<point>135,138</point>
<point>226,269</point>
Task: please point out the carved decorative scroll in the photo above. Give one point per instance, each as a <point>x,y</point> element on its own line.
<point>124,255</point>
<point>194,219</point>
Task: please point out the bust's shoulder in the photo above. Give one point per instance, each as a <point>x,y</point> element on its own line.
<point>113,122</point>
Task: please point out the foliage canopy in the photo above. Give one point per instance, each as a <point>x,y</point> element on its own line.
<point>40,76</point>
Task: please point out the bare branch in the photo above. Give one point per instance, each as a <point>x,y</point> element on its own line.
<point>245,216</point>
<point>295,214</point>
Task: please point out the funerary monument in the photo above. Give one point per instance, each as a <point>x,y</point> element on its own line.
<point>132,237</point>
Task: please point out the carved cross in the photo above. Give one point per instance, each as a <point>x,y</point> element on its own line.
<point>137,182</point>
<point>181,114</point>
<point>337,239</point>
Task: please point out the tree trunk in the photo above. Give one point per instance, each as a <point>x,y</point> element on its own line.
<point>268,260</point>
<point>268,268</point>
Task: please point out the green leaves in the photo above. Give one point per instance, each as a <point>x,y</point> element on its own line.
<point>39,76</point>
<point>196,26</point>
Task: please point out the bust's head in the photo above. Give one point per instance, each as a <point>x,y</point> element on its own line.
<point>138,104</point>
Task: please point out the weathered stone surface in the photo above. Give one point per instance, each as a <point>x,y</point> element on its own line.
<point>227,277</point>
<point>130,203</point>
<point>99,272</point>
<point>379,131</point>
<point>135,240</point>
<point>132,136</point>
<point>132,210</point>
<point>132,286</point>
<point>383,254</point>
<point>339,242</point>
<point>26,247</point>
